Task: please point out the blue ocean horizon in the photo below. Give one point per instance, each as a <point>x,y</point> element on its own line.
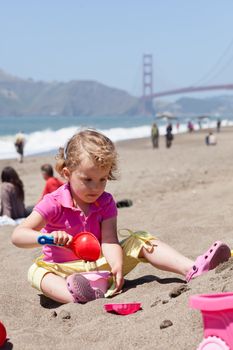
<point>10,125</point>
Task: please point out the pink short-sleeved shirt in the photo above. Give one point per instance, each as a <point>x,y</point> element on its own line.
<point>60,215</point>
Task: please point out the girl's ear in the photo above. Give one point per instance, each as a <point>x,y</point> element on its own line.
<point>66,173</point>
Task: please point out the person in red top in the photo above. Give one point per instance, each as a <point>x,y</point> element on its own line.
<point>52,183</point>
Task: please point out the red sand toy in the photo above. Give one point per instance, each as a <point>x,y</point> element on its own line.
<point>85,245</point>
<point>2,334</point>
<point>217,314</point>
<point>123,309</point>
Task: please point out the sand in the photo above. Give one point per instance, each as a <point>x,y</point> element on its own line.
<point>183,195</point>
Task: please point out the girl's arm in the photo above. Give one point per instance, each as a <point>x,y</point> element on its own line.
<point>112,251</point>
<point>25,235</point>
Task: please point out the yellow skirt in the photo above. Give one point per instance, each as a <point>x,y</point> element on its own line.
<point>131,246</point>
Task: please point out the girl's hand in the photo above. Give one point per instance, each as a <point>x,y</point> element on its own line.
<point>61,237</point>
<point>118,278</point>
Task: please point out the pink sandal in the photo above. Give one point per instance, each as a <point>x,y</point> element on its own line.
<point>215,255</point>
<point>81,289</point>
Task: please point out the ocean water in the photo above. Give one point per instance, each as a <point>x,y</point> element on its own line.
<point>47,134</point>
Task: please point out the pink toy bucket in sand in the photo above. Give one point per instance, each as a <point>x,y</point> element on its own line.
<point>123,308</point>
<point>217,314</point>
<point>98,279</point>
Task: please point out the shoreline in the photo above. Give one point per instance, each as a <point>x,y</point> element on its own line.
<point>10,152</point>
<point>128,141</point>
<point>139,144</point>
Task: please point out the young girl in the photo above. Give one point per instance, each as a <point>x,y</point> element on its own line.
<point>87,162</point>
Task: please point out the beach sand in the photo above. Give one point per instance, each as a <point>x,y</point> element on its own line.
<point>183,195</point>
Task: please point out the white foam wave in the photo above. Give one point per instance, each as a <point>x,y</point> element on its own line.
<point>49,140</point>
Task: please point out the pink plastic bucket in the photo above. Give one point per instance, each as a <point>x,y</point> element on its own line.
<point>98,279</point>
<point>217,314</point>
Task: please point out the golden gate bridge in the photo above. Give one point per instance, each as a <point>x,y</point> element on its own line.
<point>148,93</point>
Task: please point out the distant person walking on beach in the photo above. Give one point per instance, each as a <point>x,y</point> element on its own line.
<point>52,183</point>
<point>87,162</point>
<point>169,136</point>
<point>19,145</point>
<point>218,125</point>
<point>155,135</point>
<point>12,194</point>
<point>190,127</point>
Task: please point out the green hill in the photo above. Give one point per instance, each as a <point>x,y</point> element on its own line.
<point>28,97</point>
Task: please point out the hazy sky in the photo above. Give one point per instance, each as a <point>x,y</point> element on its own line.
<point>104,40</point>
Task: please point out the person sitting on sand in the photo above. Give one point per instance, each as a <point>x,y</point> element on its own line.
<point>87,162</point>
<point>211,139</point>
<point>52,183</point>
<point>12,194</point>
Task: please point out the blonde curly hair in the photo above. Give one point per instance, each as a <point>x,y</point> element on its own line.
<point>88,143</point>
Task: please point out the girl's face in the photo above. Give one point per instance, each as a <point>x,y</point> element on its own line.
<point>87,182</point>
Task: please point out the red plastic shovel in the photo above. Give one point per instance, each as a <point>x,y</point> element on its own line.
<point>84,245</point>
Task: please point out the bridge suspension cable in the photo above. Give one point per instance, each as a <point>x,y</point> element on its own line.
<point>207,76</point>
<point>217,74</point>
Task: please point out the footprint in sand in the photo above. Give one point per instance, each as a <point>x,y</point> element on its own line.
<point>176,291</point>
<point>165,324</point>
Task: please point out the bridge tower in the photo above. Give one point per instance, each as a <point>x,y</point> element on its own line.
<point>147,83</point>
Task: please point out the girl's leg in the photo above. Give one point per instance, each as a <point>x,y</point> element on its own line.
<point>166,258</point>
<point>55,288</point>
